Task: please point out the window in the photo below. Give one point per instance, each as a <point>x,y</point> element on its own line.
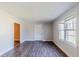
<point>61,31</point>
<point>67,30</point>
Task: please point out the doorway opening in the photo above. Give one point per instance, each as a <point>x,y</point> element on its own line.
<point>16,34</point>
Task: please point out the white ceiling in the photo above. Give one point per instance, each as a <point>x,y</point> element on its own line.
<point>39,11</point>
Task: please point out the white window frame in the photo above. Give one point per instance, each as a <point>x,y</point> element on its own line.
<point>66,30</point>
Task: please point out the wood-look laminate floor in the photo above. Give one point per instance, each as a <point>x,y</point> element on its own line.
<point>35,49</point>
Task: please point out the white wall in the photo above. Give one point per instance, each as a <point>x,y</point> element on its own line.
<point>69,49</point>
<point>6,34</point>
<point>42,32</point>
<point>47,31</point>
<point>7,31</point>
<point>28,31</point>
<point>38,32</point>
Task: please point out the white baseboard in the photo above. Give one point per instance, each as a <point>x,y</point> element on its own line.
<point>6,51</point>
<point>35,40</point>
<point>46,40</point>
<point>62,49</point>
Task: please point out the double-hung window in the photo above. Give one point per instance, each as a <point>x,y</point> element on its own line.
<point>67,30</point>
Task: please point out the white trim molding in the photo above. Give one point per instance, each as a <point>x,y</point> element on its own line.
<point>6,51</point>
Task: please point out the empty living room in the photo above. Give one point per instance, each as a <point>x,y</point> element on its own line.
<point>39,29</point>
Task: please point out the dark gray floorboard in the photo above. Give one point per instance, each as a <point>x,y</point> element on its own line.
<point>35,49</point>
